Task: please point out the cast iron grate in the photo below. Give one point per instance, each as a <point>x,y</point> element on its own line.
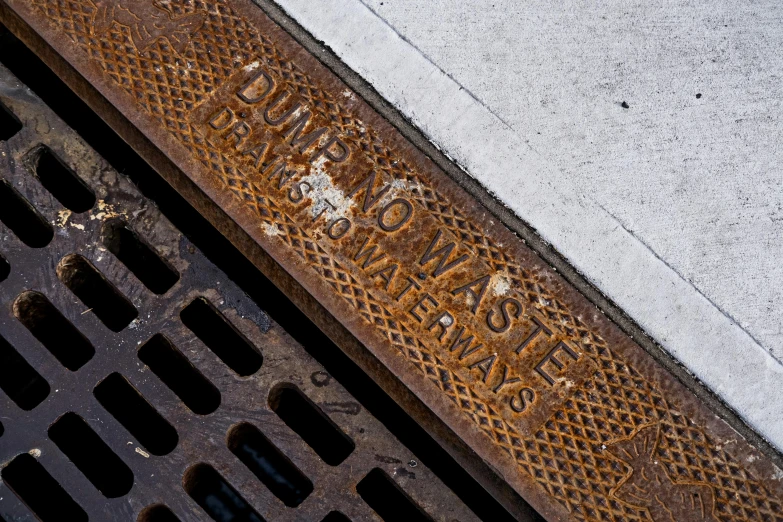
<point>138,381</point>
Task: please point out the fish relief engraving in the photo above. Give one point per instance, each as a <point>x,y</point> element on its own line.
<point>649,485</point>
<point>148,21</point>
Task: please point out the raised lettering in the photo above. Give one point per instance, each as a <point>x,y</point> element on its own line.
<point>324,209</point>
<point>506,380</point>
<point>550,357</point>
<point>387,274</point>
<point>226,114</point>
<point>367,253</point>
<point>519,402</point>
<point>308,139</point>
<point>485,366</point>
<point>299,191</point>
<point>257,153</point>
<point>444,320</point>
<point>280,169</point>
<point>443,253</point>
<point>504,305</point>
<point>465,344</point>
<point>411,284</point>
<point>339,228</point>
<point>338,156</point>
<point>370,199</point>
<point>240,131</point>
<point>540,327</point>
<point>246,91</point>
<point>420,304</point>
<point>286,115</point>
<point>400,217</point>
<point>482,283</point>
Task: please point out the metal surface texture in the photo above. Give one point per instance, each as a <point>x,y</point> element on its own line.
<point>224,393</point>
<point>539,385</point>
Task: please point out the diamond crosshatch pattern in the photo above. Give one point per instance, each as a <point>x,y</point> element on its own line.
<point>566,456</point>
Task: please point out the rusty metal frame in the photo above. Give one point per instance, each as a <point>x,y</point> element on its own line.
<point>183,98</point>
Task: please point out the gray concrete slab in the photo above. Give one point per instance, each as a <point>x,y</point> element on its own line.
<point>672,206</point>
<point>693,167</point>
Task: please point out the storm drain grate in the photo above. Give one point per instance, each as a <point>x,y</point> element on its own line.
<point>140,383</point>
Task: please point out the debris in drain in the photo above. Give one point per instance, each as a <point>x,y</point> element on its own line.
<point>142,453</point>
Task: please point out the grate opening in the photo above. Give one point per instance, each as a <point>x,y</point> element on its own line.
<point>22,218</point>
<point>336,516</point>
<point>388,500</point>
<point>94,458</point>
<point>220,336</point>
<point>5,268</point>
<point>269,464</point>
<point>140,258</point>
<point>179,374</point>
<point>308,420</point>
<point>53,330</point>
<point>9,123</point>
<point>132,410</point>
<point>219,250</point>
<point>62,182</point>
<point>96,292</point>
<point>19,380</point>
<point>216,496</point>
<point>157,513</point>
<point>40,491</point>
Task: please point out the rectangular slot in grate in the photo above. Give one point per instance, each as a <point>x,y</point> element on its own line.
<point>9,123</point>
<point>40,491</point>
<point>140,258</point>
<point>179,374</point>
<point>22,218</point>
<point>62,182</point>
<point>216,496</point>
<point>5,268</point>
<point>88,452</point>
<point>53,330</point>
<point>386,498</point>
<point>132,410</point>
<point>269,464</point>
<point>19,380</point>
<point>311,423</point>
<point>157,513</point>
<point>220,336</point>
<point>100,296</point>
